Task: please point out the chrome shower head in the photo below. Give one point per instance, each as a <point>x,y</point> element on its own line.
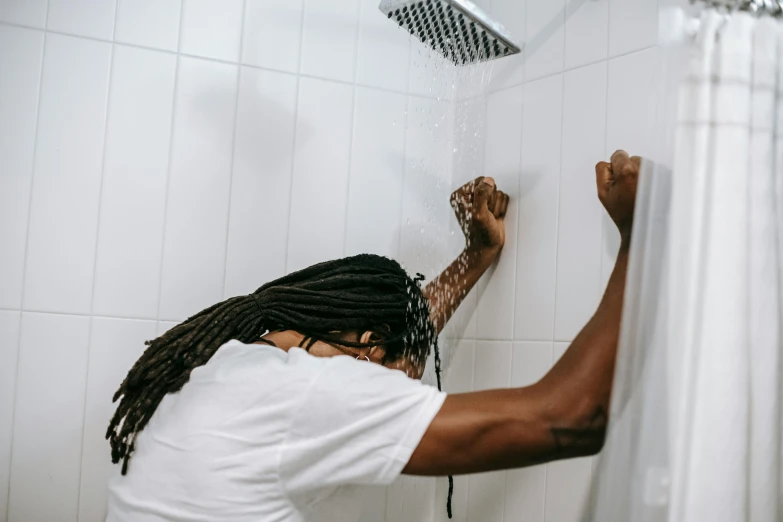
<point>458,29</point>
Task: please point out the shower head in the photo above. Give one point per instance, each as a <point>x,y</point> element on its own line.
<point>458,29</point>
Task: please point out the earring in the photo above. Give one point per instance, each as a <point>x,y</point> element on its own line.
<point>367,358</point>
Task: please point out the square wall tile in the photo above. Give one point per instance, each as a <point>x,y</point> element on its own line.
<point>273,34</point>
<point>138,137</point>
<point>21,51</point>
<point>49,417</point>
<point>91,18</point>
<point>261,185</point>
<point>9,348</point>
<point>530,362</point>
<point>374,504</point>
<point>115,345</point>
<point>486,497</point>
<point>510,71</point>
<point>149,23</point>
<point>492,365</point>
<point>67,177</point>
<point>502,163</point>
<point>384,48</point>
<point>458,359</point>
<point>194,251</point>
<point>377,172</point>
<point>24,12</point>
<point>633,25</point>
<point>321,168</point>
<point>579,234</point>
<point>410,498</point>
<point>631,103</point>
<point>545,38</point>
<point>329,39</point>
<point>539,182</point>
<point>567,489</point>
<point>586,32</point>
<point>212,28</point>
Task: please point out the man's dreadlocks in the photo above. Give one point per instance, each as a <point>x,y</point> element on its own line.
<point>360,293</point>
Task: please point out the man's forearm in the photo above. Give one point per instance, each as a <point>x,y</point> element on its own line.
<point>580,384</point>
<point>447,291</point>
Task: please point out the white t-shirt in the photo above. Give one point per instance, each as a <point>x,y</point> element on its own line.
<point>262,435</point>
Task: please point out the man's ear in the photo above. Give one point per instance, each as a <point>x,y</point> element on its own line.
<point>377,352</point>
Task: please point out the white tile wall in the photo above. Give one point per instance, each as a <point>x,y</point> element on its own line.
<point>138,138</point>
<point>586,32</point>
<point>502,160</point>
<point>48,417</point>
<point>67,175</point>
<point>382,58</point>
<point>544,38</point>
<point>9,348</point>
<point>322,156</point>
<point>329,39</point>
<point>149,23</point>
<point>161,183</point>
<point>534,306</point>
<point>261,183</point>
<point>211,28</point>
<point>24,12</point>
<point>199,187</point>
<point>21,51</point>
<point>92,18</point>
<point>580,212</point>
<point>377,171</point>
<point>633,25</point>
<point>273,34</point>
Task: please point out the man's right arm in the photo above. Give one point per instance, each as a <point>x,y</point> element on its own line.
<point>565,414</point>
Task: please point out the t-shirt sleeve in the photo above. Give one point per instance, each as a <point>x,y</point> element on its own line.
<point>358,423</point>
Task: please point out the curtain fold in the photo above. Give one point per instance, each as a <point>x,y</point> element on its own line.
<point>695,430</point>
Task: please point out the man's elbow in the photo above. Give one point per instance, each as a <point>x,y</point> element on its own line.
<point>581,430</point>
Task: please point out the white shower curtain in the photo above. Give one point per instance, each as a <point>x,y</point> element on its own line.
<point>696,425</point>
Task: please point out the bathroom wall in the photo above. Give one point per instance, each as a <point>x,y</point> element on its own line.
<point>584,88</point>
<point>157,156</point>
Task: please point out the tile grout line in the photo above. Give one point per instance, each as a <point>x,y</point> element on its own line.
<point>177,68</point>
<point>354,102</point>
<point>228,62</point>
<point>293,142</point>
<point>233,147</point>
<point>24,268</point>
<point>101,188</point>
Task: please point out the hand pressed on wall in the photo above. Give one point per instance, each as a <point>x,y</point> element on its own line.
<point>480,209</point>
<point>616,183</point>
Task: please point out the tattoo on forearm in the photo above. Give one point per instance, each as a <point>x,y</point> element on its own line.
<point>570,440</point>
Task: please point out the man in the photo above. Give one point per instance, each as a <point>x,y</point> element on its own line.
<point>281,405</point>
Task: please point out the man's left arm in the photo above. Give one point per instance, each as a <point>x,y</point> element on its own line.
<point>480,209</point>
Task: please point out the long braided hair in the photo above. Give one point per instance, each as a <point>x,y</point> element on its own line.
<point>360,293</point>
